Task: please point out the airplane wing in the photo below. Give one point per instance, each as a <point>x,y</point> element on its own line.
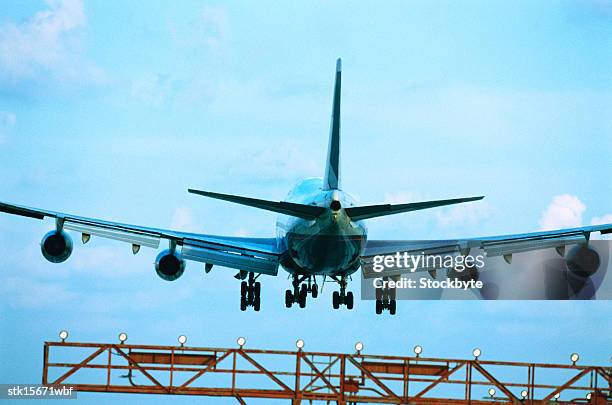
<point>503,245</point>
<point>258,255</point>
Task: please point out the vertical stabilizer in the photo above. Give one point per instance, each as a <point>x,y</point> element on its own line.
<point>332,169</point>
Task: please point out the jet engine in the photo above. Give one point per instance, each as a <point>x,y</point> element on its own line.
<point>56,246</point>
<point>169,265</point>
<point>583,261</point>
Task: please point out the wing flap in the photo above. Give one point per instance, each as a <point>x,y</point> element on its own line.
<point>230,256</point>
<point>135,238</point>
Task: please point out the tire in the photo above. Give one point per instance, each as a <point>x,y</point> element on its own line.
<point>257,303</point>
<point>243,304</point>
<point>302,300</point>
<point>392,307</point>
<point>315,291</point>
<point>288,298</point>
<point>336,300</point>
<point>257,289</point>
<point>379,307</point>
<point>349,300</point>
<point>244,289</point>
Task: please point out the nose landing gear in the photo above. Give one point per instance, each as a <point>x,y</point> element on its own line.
<point>342,297</point>
<point>301,290</point>
<point>250,293</point>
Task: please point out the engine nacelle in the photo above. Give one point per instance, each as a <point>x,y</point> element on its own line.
<point>583,261</point>
<point>56,246</point>
<point>169,265</point>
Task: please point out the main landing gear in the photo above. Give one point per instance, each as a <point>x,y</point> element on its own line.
<point>342,297</point>
<point>250,293</point>
<point>301,290</point>
<point>385,300</point>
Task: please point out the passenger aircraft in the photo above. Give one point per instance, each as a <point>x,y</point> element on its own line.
<point>320,232</point>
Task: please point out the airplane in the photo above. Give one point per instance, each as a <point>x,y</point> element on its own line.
<point>320,232</point>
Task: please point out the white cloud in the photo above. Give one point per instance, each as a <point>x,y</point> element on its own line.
<point>468,214</point>
<point>182,220</point>
<point>31,293</point>
<point>606,219</point>
<point>564,211</point>
<point>47,45</point>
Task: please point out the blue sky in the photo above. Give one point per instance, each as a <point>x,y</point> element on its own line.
<point>113,111</point>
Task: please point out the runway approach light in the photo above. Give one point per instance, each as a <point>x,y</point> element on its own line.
<point>299,344</point>
<point>476,352</point>
<point>122,337</point>
<point>241,341</point>
<point>359,347</point>
<point>63,335</point>
<point>418,350</point>
<point>182,340</point>
<point>574,358</point>
<point>524,394</point>
<point>492,392</point>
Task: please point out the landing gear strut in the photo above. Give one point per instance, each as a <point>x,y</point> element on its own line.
<point>301,287</point>
<point>385,299</point>
<point>342,297</point>
<point>250,293</point>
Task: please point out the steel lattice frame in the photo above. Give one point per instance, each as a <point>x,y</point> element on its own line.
<point>315,376</point>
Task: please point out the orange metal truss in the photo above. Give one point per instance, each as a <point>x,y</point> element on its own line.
<point>316,376</point>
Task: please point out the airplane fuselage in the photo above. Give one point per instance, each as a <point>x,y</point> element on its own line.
<point>328,245</point>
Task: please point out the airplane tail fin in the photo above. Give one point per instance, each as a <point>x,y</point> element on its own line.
<point>282,207</point>
<point>331,180</point>
<point>373,211</point>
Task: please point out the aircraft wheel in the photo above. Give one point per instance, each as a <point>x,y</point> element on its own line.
<point>288,298</point>
<point>243,289</point>
<point>243,303</point>
<point>257,303</point>
<point>314,291</point>
<point>379,307</point>
<point>349,300</point>
<point>392,307</point>
<point>336,299</point>
<point>257,289</point>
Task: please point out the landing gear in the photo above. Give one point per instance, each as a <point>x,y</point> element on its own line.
<point>342,297</point>
<point>250,293</point>
<point>301,287</point>
<point>385,299</point>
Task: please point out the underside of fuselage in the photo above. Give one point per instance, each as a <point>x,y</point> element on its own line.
<point>328,245</point>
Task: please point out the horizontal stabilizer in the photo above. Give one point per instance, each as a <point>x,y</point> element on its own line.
<point>282,207</point>
<point>373,211</point>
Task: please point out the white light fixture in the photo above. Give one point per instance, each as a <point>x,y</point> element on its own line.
<point>182,340</point>
<point>574,358</point>
<point>241,341</point>
<point>524,394</point>
<point>63,335</point>
<point>418,350</point>
<point>299,344</point>
<point>359,347</point>
<point>492,392</point>
<point>557,396</point>
<point>588,396</point>
<point>476,352</point>
<point>123,337</point>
